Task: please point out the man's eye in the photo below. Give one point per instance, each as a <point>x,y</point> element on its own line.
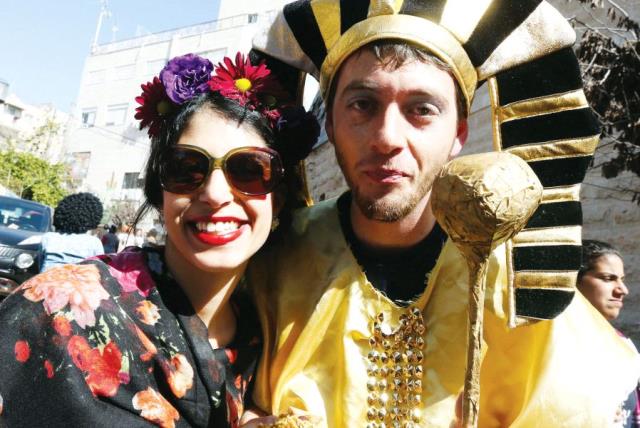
<point>425,109</point>
<point>362,105</point>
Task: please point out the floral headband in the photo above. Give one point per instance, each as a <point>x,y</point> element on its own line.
<point>252,86</point>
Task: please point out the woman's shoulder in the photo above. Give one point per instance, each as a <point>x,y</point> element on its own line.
<point>132,268</point>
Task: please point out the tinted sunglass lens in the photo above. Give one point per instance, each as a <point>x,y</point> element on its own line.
<point>184,171</point>
<point>254,172</point>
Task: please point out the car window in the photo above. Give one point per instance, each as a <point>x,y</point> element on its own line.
<point>18,214</point>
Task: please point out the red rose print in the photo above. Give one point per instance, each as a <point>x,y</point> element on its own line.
<point>62,325</point>
<point>22,351</point>
<point>102,369</point>
<point>49,368</point>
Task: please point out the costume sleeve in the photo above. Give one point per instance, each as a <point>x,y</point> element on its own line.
<point>263,293</point>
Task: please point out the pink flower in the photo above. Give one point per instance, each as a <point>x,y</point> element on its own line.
<point>130,270</point>
<point>155,408</point>
<point>78,286</point>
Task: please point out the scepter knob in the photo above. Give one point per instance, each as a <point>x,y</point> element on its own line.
<point>481,201</point>
<point>484,199</point>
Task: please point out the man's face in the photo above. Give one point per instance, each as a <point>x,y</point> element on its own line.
<point>393,129</point>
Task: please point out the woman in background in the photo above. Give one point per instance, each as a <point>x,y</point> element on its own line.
<point>601,281</point>
<point>74,216</point>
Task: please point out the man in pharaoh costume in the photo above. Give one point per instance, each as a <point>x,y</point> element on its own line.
<point>365,303</point>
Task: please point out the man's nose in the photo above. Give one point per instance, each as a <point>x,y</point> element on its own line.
<point>390,137</point>
<point>216,192</point>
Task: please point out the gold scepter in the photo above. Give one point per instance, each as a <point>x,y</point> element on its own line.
<point>481,201</point>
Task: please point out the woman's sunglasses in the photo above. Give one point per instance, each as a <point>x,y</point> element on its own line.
<point>252,171</point>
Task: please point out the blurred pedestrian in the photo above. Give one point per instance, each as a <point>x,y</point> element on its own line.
<point>110,240</point>
<point>125,237</point>
<point>74,216</point>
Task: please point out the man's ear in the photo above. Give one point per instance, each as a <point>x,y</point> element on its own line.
<point>461,138</point>
<point>328,125</point>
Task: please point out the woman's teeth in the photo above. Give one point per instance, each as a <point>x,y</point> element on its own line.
<point>219,227</point>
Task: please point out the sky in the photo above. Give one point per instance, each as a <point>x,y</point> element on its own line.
<point>43,43</point>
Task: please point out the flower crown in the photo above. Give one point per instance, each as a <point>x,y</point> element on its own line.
<point>252,86</point>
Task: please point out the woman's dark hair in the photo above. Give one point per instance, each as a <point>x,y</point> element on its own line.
<point>176,125</point>
<point>77,213</point>
<point>592,250</point>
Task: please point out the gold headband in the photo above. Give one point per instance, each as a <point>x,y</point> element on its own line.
<point>412,29</point>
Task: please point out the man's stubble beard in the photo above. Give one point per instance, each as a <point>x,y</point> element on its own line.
<point>390,207</point>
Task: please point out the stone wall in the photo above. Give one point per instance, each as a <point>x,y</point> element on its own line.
<point>609,214</point>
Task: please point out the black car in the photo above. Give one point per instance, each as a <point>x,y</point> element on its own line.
<point>22,224</point>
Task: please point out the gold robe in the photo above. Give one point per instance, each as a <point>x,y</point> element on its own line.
<point>317,309</point>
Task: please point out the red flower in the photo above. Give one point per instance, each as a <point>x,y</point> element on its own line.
<point>251,85</point>
<point>154,103</point>
<point>62,325</point>
<point>102,369</point>
<point>48,368</point>
<point>22,351</point>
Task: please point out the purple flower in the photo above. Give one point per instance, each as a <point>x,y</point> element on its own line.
<point>186,76</point>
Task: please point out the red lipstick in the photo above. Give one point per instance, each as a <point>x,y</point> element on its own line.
<point>217,238</point>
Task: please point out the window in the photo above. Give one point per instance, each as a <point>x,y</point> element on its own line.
<point>154,67</point>
<point>79,165</point>
<point>116,114</point>
<point>95,77</point>
<point>88,117</point>
<point>124,72</point>
<point>215,55</point>
<point>253,17</point>
<point>132,180</point>
<point>14,111</point>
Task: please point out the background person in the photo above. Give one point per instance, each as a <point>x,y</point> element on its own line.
<point>601,281</point>
<point>74,216</point>
<point>110,240</point>
<point>601,278</point>
<point>159,336</point>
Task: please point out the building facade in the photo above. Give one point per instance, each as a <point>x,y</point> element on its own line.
<point>37,129</point>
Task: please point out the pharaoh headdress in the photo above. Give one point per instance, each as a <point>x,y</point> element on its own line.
<point>522,50</point>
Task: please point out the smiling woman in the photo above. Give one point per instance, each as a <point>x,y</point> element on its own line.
<point>165,335</point>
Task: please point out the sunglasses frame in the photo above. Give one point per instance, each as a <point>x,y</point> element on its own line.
<point>221,163</point>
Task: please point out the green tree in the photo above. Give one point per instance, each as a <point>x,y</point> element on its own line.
<point>33,178</point>
<point>609,53</point>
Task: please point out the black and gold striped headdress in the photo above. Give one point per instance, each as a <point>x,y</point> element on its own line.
<point>522,49</point>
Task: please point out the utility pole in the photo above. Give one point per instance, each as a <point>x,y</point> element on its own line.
<point>104,13</point>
